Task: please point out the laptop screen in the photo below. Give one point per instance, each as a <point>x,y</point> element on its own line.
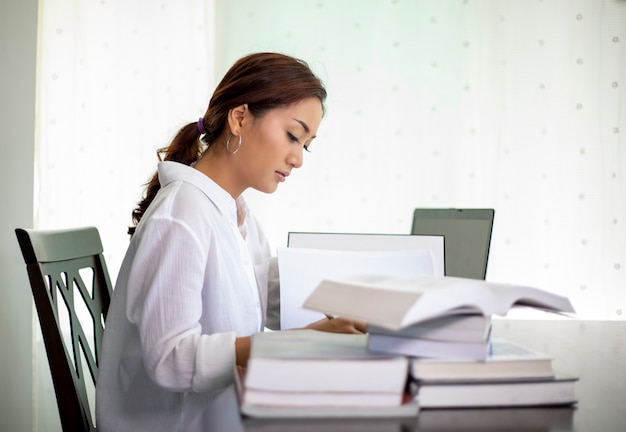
<point>467,237</point>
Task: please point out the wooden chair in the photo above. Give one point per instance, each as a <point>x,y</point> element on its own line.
<point>72,291</point>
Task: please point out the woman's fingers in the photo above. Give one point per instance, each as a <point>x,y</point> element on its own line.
<point>339,325</point>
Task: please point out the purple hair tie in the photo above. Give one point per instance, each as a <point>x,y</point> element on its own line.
<point>201,128</point>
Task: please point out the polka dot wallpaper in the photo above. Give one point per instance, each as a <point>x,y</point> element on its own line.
<point>515,105</point>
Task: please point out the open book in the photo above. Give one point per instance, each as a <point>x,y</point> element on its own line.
<point>396,302</point>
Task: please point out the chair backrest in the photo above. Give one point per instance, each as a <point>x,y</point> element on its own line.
<point>467,237</point>
<point>72,291</point>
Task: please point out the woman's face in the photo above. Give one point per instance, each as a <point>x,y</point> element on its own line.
<point>273,145</point>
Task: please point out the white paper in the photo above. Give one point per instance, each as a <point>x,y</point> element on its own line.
<point>301,270</point>
<point>372,242</point>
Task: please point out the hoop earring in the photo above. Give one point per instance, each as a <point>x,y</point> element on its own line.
<point>232,152</point>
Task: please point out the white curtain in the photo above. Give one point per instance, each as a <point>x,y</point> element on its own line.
<point>116,80</point>
<point>517,105</point>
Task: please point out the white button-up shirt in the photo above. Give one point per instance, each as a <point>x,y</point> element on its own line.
<point>192,281</point>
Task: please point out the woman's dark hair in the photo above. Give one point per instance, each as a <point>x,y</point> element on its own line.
<point>263,81</point>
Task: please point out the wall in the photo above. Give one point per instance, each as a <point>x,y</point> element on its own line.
<point>18,51</point>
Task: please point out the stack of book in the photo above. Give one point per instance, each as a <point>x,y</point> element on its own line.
<point>442,324</point>
<point>512,375</point>
<point>459,336</point>
<point>307,373</point>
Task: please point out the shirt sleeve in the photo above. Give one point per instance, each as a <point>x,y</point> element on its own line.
<point>165,303</point>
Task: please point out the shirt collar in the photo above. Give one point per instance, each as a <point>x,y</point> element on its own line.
<point>170,171</point>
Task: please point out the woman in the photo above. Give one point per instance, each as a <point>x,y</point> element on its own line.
<point>193,285</point>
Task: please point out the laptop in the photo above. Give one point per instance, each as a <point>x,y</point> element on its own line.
<point>371,242</point>
<point>467,237</point>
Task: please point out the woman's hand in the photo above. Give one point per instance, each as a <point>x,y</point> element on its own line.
<point>242,351</point>
<point>338,325</point>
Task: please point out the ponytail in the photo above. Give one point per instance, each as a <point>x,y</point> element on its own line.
<point>185,148</point>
